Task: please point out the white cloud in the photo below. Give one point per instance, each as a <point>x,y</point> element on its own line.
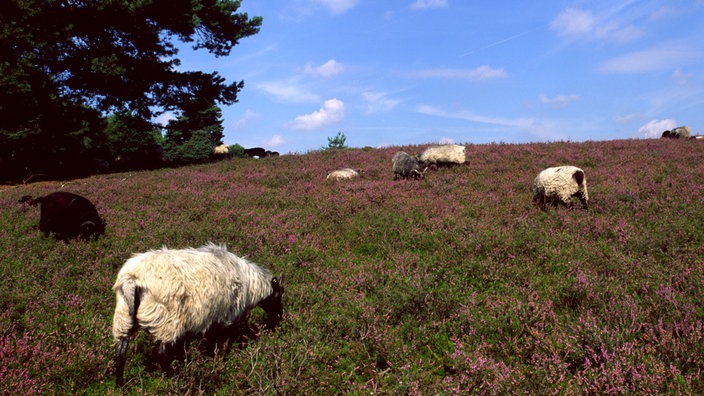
<point>246,117</point>
<point>274,141</point>
<point>573,21</point>
<point>287,91</point>
<point>337,7</point>
<point>655,128</point>
<point>664,56</point>
<point>480,73</point>
<point>613,32</point>
<point>624,118</point>
<point>379,102</point>
<point>662,13</point>
<point>470,116</point>
<point>424,4</point>
<point>333,111</point>
<point>543,129</point>
<point>584,24</point>
<point>682,78</point>
<point>446,140</point>
<point>559,100</point>
<point>326,70</point>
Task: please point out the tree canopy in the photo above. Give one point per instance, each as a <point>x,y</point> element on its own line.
<point>337,142</point>
<point>67,64</point>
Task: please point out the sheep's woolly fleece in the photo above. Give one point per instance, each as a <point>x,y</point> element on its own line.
<point>446,154</point>
<point>342,174</point>
<point>563,182</point>
<point>405,166</point>
<point>221,149</point>
<point>185,291</point>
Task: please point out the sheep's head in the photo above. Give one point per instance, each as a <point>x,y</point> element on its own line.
<point>273,305</point>
<point>417,174</point>
<point>89,228</point>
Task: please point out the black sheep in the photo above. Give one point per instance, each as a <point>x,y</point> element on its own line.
<point>67,215</point>
<point>255,152</point>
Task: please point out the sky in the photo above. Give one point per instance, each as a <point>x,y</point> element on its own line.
<point>407,72</point>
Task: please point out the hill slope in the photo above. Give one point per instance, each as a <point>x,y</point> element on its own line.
<point>455,283</point>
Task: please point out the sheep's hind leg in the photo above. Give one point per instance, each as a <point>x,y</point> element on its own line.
<point>120,359</point>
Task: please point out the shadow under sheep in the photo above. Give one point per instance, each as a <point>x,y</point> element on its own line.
<point>219,340</point>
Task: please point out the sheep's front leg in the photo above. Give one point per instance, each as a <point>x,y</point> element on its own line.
<point>164,360</point>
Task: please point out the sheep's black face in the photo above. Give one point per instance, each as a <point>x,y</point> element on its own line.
<point>89,228</point>
<point>273,305</point>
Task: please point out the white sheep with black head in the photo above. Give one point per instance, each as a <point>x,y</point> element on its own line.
<point>558,185</point>
<point>172,293</point>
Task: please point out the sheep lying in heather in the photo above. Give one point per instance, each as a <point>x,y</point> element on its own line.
<point>67,215</point>
<point>406,166</point>
<point>342,174</point>
<point>559,185</point>
<point>172,293</point>
<point>445,155</point>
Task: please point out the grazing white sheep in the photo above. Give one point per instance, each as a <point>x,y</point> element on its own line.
<point>559,185</point>
<point>342,174</point>
<point>222,149</point>
<point>406,166</point>
<point>448,154</point>
<point>172,293</point>
<point>677,133</point>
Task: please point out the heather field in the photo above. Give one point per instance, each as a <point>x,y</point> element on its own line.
<point>452,285</point>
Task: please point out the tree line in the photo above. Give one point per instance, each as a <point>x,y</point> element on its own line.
<point>81,82</point>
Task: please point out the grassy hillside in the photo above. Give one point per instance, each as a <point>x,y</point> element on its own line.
<point>455,283</point>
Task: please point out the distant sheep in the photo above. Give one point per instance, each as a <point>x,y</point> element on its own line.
<point>255,152</point>
<point>222,150</point>
<point>405,166</point>
<point>67,215</point>
<point>677,133</point>
<point>445,155</point>
<point>559,185</point>
<point>342,174</point>
<point>172,293</point>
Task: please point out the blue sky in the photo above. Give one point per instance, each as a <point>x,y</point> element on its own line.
<point>396,72</point>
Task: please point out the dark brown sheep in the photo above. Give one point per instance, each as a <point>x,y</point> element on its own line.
<point>255,152</point>
<point>67,215</point>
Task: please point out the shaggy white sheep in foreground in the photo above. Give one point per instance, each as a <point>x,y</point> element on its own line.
<point>342,174</point>
<point>559,185</point>
<point>172,293</point>
<point>449,154</point>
